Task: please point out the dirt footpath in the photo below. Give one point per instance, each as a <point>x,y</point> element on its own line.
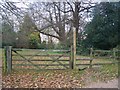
<point>110,84</point>
<point>0,76</point>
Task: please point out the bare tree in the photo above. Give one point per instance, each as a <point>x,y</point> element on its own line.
<point>59,17</point>
<point>80,11</point>
<point>54,18</point>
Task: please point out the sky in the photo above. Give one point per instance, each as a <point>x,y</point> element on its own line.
<point>61,0</point>
<point>24,3</point>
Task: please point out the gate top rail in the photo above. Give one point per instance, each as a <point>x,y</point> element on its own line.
<point>16,49</point>
<point>53,50</point>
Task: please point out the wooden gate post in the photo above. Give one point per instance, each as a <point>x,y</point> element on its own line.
<point>8,52</point>
<point>73,51</point>
<point>5,60</point>
<point>71,57</point>
<point>74,48</point>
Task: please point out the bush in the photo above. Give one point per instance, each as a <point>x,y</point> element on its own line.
<point>43,45</point>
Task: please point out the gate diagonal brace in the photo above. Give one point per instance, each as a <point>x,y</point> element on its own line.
<point>34,55</point>
<point>55,60</point>
<point>26,59</point>
<point>31,57</point>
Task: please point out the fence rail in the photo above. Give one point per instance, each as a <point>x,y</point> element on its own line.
<point>105,53</point>
<point>47,55</point>
<point>40,65</point>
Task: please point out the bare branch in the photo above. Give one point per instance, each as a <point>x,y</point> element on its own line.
<point>71,6</point>
<point>86,8</point>
<point>43,28</point>
<point>62,10</point>
<point>50,35</point>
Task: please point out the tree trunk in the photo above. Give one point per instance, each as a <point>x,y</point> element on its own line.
<point>76,17</point>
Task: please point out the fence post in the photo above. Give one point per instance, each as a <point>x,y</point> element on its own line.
<point>91,52</point>
<point>114,53</point>
<point>8,53</point>
<point>91,56</point>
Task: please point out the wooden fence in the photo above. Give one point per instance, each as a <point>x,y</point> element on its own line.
<point>37,59</point>
<point>105,53</point>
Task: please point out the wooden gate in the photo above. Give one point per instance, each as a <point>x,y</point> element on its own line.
<point>36,59</point>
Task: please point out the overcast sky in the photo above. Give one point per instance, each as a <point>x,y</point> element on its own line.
<point>58,0</point>
<point>24,3</point>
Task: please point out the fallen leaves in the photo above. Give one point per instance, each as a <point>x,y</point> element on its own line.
<point>57,79</point>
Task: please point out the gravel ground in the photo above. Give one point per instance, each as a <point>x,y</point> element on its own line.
<point>110,84</point>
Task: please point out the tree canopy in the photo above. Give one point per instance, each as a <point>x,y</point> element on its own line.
<point>8,34</point>
<point>27,37</point>
<point>103,32</point>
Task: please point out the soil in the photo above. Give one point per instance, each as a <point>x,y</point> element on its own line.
<point>109,84</point>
